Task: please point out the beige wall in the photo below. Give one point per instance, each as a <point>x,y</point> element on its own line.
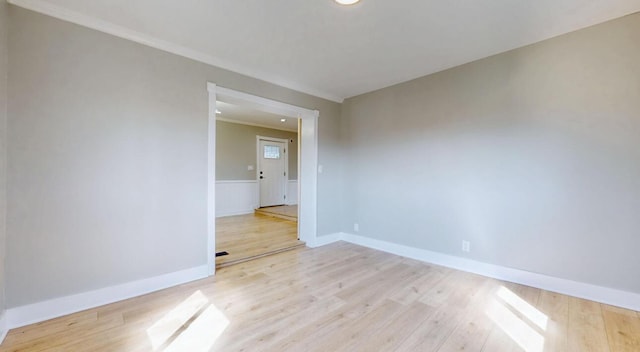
<point>3,151</point>
<point>236,149</point>
<point>107,158</point>
<point>532,155</point>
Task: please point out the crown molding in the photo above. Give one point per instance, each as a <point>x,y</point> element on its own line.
<point>78,18</point>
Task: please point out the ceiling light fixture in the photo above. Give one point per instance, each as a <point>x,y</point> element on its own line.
<point>283,120</point>
<point>218,112</point>
<point>346,2</point>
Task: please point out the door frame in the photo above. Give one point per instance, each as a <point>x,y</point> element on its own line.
<point>307,165</point>
<point>286,164</point>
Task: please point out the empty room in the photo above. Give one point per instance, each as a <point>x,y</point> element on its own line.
<point>329,175</point>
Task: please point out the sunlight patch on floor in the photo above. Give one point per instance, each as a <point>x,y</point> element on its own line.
<point>202,334</point>
<point>519,330</point>
<point>201,326</point>
<point>526,309</point>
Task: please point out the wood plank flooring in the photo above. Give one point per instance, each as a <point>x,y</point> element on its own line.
<point>250,236</point>
<point>340,297</point>
<point>287,212</point>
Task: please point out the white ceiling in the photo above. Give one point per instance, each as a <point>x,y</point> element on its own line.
<point>333,51</point>
<point>243,114</point>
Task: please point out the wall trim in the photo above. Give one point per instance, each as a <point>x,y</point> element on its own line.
<point>211,178</point>
<point>57,307</point>
<point>235,197</point>
<point>324,240</point>
<point>3,326</point>
<point>97,24</point>
<point>235,181</point>
<point>606,295</point>
<point>235,213</point>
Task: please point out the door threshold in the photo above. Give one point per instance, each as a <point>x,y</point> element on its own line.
<point>258,256</point>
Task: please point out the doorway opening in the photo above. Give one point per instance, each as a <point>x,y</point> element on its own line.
<point>294,158</point>
<point>257,177</point>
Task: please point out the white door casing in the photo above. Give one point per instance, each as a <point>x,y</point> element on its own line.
<point>272,160</point>
<point>307,165</point>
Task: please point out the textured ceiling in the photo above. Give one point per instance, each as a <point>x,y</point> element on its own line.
<point>334,51</point>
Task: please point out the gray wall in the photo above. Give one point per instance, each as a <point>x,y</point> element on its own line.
<point>236,149</point>
<point>107,158</point>
<point>3,151</point>
<point>532,155</point>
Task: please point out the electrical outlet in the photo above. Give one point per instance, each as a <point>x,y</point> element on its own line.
<point>466,246</point>
<point>356,227</point>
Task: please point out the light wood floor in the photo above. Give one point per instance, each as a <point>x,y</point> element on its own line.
<point>246,237</point>
<point>288,212</point>
<point>340,297</point>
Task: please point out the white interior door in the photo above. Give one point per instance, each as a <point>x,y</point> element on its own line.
<point>272,172</point>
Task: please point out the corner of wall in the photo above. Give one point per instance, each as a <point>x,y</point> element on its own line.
<point>3,326</point>
<point>4,49</point>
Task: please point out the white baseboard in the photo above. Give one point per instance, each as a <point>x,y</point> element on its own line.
<point>41,311</point>
<point>3,326</point>
<point>326,239</point>
<point>57,307</point>
<point>234,213</point>
<point>591,292</point>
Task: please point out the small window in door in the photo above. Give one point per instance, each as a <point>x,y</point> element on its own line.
<point>271,152</point>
